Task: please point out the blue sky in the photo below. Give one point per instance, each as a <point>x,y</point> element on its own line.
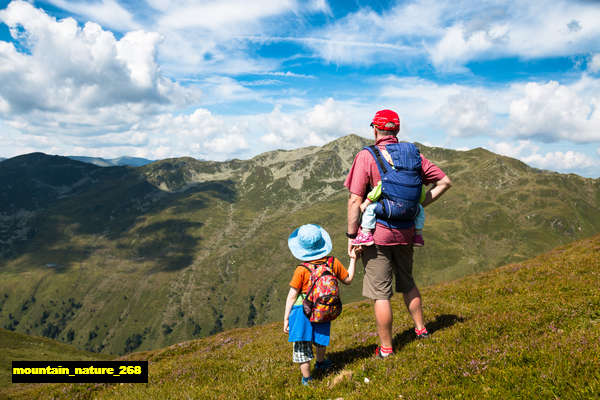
<point>231,79</point>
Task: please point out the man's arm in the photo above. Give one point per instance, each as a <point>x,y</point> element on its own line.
<point>433,194</point>
<point>354,202</point>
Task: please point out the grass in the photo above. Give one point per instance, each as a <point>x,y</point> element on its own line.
<point>19,347</point>
<point>525,330</point>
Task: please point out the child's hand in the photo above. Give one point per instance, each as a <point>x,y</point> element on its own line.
<point>354,251</point>
<point>286,326</point>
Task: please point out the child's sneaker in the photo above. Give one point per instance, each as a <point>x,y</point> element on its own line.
<point>418,240</point>
<point>421,333</point>
<point>323,365</point>
<point>306,381</point>
<point>363,239</point>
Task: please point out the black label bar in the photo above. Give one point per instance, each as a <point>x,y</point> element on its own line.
<point>80,372</point>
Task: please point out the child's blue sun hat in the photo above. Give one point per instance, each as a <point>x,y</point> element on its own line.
<point>309,242</point>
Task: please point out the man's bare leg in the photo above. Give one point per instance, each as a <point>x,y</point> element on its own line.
<point>384,320</point>
<point>412,299</point>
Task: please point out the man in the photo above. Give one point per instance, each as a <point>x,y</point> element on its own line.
<point>393,249</point>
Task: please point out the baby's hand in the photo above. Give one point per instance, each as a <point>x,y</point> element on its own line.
<point>363,206</point>
<point>286,327</point>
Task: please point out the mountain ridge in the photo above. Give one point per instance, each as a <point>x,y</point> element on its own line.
<point>114,162</point>
<point>202,244</point>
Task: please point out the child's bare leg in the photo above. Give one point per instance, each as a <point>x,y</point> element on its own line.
<point>321,353</point>
<point>305,369</point>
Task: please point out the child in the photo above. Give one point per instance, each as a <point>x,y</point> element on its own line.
<point>365,237</point>
<point>310,243</point>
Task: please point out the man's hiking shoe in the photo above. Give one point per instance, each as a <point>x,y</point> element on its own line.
<point>380,354</point>
<point>418,240</point>
<point>323,365</point>
<point>421,333</point>
<point>363,239</point>
<point>306,381</point>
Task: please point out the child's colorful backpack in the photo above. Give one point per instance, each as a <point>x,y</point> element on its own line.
<point>322,302</point>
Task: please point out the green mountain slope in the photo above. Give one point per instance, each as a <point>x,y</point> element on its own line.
<point>119,259</point>
<point>16,346</point>
<point>526,330</point>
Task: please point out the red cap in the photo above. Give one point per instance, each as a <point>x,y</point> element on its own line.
<point>382,117</point>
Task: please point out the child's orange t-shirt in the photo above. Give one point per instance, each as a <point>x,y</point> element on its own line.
<point>301,278</point>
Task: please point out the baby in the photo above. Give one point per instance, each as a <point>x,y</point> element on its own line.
<point>365,237</point>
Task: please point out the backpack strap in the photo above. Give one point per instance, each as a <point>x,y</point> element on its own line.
<point>378,159</point>
<point>328,262</point>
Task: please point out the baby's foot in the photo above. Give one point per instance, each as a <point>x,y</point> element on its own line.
<point>363,239</point>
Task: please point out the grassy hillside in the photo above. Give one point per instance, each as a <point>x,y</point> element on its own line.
<point>124,259</point>
<point>525,330</point>
<point>19,347</point>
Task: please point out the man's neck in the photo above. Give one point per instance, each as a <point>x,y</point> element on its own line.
<point>380,138</point>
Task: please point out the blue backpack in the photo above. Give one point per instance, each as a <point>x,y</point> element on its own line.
<point>400,184</point>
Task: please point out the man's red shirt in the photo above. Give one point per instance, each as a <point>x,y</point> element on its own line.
<point>364,175</point>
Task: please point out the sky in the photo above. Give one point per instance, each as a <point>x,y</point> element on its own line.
<point>217,80</point>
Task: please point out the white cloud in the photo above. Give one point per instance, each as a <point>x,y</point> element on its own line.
<point>458,110</point>
<point>365,37</point>
<point>522,29</point>
<point>219,89</point>
<point>452,33</point>
<point>319,6</point>
<point>108,13</point>
<point>594,64</point>
<point>200,134</point>
<point>287,74</point>
<point>79,80</point>
<point>552,111</point>
<point>224,16</point>
<point>540,111</point>
<point>456,46</point>
<point>211,36</point>
<point>80,90</point>
<point>208,55</point>
<point>4,106</point>
<point>262,82</point>
<point>562,161</point>
<point>202,37</point>
<point>137,51</point>
<point>466,114</point>
<point>326,116</point>
<point>532,154</point>
<point>313,127</point>
<point>512,149</point>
